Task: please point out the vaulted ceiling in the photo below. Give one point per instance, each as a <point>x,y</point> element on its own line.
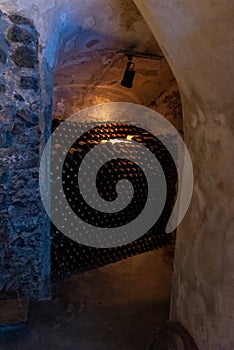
<point>89,67</point>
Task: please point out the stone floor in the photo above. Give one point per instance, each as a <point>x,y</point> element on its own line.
<point>114,308</point>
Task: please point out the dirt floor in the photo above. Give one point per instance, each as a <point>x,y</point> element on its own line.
<point>113,308</point>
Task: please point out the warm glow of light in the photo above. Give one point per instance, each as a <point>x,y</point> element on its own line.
<point>113,141</point>
<point>104,141</point>
<point>130,137</point>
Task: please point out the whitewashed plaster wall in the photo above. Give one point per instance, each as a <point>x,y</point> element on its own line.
<point>197,39</point>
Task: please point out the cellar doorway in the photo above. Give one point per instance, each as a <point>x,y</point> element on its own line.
<point>74,91</point>
<point>117,293</point>
<point>137,286</point>
<point>123,292</point>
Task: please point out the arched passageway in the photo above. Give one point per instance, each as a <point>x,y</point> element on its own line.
<point>197,41</point>
<point>82,79</point>
<point>89,70</point>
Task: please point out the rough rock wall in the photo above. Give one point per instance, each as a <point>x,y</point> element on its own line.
<point>197,40</point>
<point>24,246</point>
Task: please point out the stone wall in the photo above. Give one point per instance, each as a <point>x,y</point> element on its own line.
<point>24,246</point>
